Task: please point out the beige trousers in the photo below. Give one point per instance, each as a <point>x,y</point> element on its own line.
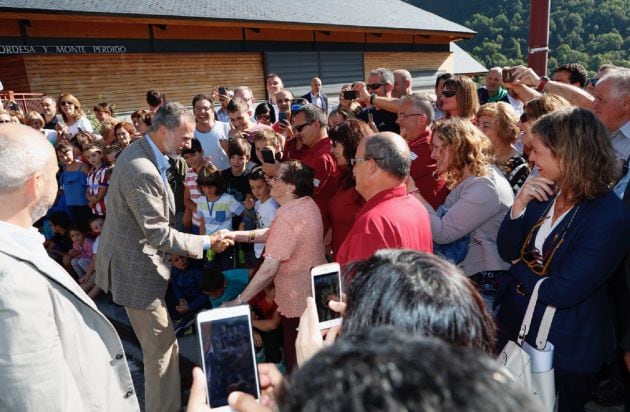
<point>154,330</point>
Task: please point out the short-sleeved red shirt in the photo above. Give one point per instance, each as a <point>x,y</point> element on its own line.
<point>341,214</point>
<point>391,219</point>
<point>433,189</point>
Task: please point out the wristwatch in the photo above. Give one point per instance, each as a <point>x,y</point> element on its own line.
<point>543,82</point>
<point>372,96</point>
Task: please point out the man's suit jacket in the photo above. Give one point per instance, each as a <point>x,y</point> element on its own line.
<point>132,259</point>
<point>582,329</point>
<point>57,351</point>
<point>324,98</point>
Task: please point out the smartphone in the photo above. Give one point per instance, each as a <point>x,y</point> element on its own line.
<point>326,286</point>
<point>508,75</point>
<point>222,91</point>
<point>370,118</point>
<point>349,94</point>
<point>268,156</point>
<point>282,116</point>
<point>227,352</point>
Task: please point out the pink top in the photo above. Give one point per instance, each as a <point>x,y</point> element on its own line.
<point>86,248</point>
<point>295,239</point>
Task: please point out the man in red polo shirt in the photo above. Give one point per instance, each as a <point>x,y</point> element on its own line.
<point>415,115</point>
<point>390,218</point>
<point>309,125</point>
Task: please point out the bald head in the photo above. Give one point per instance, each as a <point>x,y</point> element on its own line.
<point>391,153</point>
<point>27,174</point>
<point>23,151</point>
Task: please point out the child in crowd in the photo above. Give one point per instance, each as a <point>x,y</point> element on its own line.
<point>236,175</point>
<point>73,182</point>
<point>266,323</point>
<point>97,179</point>
<point>60,243</point>
<point>268,140</point>
<point>241,120</point>
<point>87,281</point>
<point>81,252</point>
<point>195,160</point>
<point>265,206</point>
<point>215,210</point>
<point>111,153</point>
<point>187,298</point>
<point>223,286</point>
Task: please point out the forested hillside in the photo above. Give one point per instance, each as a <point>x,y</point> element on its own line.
<point>583,31</point>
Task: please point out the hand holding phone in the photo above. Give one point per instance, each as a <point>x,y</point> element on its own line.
<point>508,75</point>
<point>326,286</point>
<point>268,156</point>
<point>227,351</point>
<point>349,94</point>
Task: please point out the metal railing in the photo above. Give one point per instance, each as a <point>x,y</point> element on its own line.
<point>26,101</point>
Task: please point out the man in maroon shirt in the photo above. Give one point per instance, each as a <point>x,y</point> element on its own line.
<point>414,118</point>
<point>390,218</point>
<point>309,125</point>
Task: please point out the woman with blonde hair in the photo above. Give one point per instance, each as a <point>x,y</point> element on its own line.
<point>479,199</point>
<point>459,98</point>
<point>500,123</point>
<point>73,116</point>
<point>567,225</point>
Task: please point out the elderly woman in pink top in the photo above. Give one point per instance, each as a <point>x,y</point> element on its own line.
<point>293,245</point>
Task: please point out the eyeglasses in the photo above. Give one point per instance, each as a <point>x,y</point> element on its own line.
<point>448,93</point>
<point>5,121</point>
<point>356,160</point>
<point>539,264</point>
<point>65,103</point>
<point>301,126</point>
<point>374,86</point>
<point>406,115</point>
<point>592,81</point>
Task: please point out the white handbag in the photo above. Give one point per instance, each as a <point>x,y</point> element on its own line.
<point>533,366</point>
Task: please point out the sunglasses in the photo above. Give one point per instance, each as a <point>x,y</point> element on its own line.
<point>301,126</point>
<point>448,93</point>
<point>374,86</point>
<point>65,103</point>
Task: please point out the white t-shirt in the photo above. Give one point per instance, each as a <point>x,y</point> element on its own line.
<point>265,213</point>
<point>83,123</point>
<point>218,214</point>
<point>210,143</point>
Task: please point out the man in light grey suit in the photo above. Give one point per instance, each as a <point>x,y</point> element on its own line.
<point>137,238</point>
<point>57,351</point>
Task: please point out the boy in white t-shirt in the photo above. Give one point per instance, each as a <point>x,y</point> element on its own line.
<point>265,206</point>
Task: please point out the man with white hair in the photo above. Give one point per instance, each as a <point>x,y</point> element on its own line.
<point>493,91</point>
<point>57,351</point>
<point>402,83</point>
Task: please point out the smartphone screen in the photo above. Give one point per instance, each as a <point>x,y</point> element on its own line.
<point>228,356</point>
<point>282,116</point>
<point>326,287</point>
<point>222,91</point>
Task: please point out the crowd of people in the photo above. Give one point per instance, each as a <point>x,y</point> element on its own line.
<point>444,210</point>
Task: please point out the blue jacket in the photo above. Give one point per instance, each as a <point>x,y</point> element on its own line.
<point>582,329</point>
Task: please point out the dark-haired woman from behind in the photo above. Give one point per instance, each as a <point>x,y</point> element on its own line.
<point>567,225</point>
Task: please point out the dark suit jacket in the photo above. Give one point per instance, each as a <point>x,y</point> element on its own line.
<point>582,329</point>
<point>132,258</point>
<point>307,96</point>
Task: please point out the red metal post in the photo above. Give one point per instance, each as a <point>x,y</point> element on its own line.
<point>539,36</point>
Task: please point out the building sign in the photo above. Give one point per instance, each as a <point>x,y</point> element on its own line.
<point>62,49</point>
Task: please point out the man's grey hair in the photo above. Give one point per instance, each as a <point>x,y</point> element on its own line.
<point>421,104</point>
<point>312,113</point>
<point>385,75</point>
<point>170,115</point>
<point>620,79</point>
<point>390,152</point>
<point>21,157</point>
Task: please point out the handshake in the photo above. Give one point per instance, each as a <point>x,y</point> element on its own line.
<point>221,240</point>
